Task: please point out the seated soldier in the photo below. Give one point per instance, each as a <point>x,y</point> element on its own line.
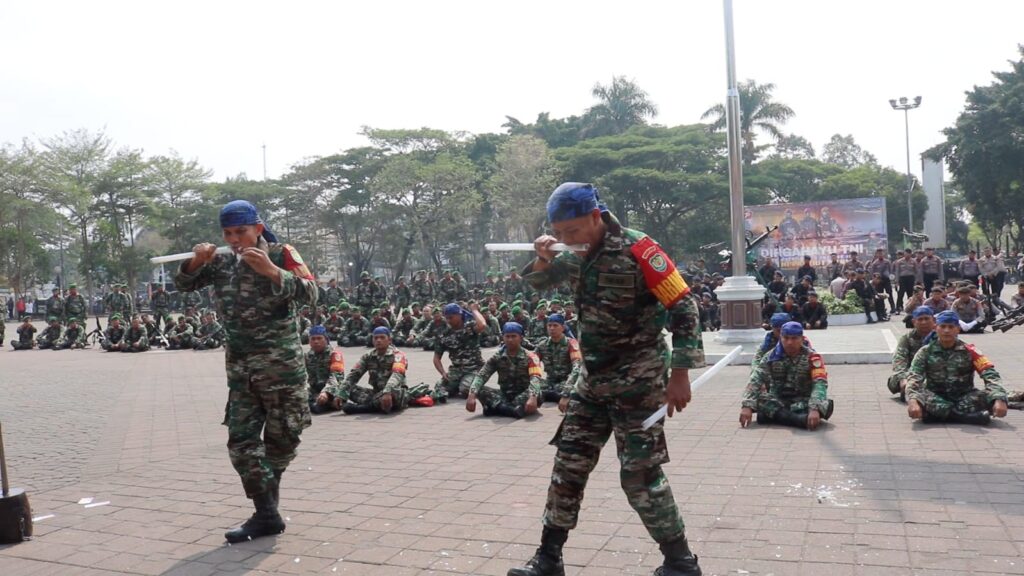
<point>211,333</point>
<point>181,336</point>
<point>136,338</point>
<point>26,335</point>
<point>492,335</point>
<point>334,324</point>
<point>387,366</point>
<point>815,317</point>
<point>940,383</point>
<point>909,344</point>
<point>970,311</point>
<point>74,337</point>
<point>325,368</point>
<point>357,330</point>
<point>772,337</point>
<point>113,336</point>
<point>519,378</point>
<point>1017,300</point>
<point>539,328</point>
<point>562,363</point>
<point>156,337</point>
<point>304,324</point>
<point>50,335</point>
<point>404,327</point>
<point>461,340</point>
<point>789,386</point>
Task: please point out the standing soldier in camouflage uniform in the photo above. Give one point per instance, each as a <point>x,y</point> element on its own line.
<point>75,306</point>
<point>461,340</point>
<point>519,379</point>
<point>55,306</point>
<point>190,298</point>
<point>909,344</point>
<point>448,287</point>
<point>325,367</point>
<point>26,335</point>
<point>113,336</point>
<point>386,366</point>
<point>119,303</point>
<point>50,335</point>
<point>364,293</point>
<point>563,362</point>
<point>136,338</point>
<point>403,295</point>
<point>160,302</point>
<point>333,295</point>
<point>380,291</point>
<point>789,385</point>
<point>258,288</point>
<point>627,291</point>
<point>422,289</point>
<point>940,383</point>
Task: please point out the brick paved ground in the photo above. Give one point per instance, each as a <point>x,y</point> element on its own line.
<point>436,490</point>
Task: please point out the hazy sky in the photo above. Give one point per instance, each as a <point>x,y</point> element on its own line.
<point>215,80</point>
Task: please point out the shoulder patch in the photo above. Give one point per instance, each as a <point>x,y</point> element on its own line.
<point>659,272</point>
<point>533,364</point>
<point>574,350</point>
<point>337,361</point>
<point>817,366</point>
<point>980,361</point>
<point>400,364</point>
<point>294,264</point>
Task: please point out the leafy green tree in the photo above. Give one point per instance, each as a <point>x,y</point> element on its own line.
<point>622,105</point>
<point>526,174</point>
<point>758,112</point>
<point>27,218</point>
<point>792,147</point>
<point>557,133</point>
<point>175,189</point>
<point>844,151</point>
<point>984,150</point>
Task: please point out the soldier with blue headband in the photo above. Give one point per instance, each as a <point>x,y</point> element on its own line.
<point>259,287</point>
<point>627,291</point>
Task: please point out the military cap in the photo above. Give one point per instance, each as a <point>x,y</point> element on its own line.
<point>364,274</point>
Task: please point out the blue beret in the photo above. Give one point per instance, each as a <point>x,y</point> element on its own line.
<point>572,200</point>
<point>243,213</point>
<point>792,329</point>
<point>318,330</point>
<point>779,318</point>
<point>947,317</point>
<point>557,319</point>
<point>512,328</point>
<point>382,330</point>
<point>923,311</point>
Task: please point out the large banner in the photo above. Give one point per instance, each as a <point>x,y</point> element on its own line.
<point>818,229</point>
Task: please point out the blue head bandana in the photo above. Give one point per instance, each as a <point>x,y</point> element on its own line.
<point>573,200</point>
<point>779,318</point>
<point>243,213</point>
<point>382,330</point>
<point>454,309</point>
<point>792,329</point>
<point>557,319</point>
<point>923,311</point>
<point>512,328</point>
<point>317,330</point>
<point>947,317</point>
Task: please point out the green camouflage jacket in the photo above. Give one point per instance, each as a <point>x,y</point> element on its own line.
<point>950,373</point>
<point>516,374</point>
<point>562,362</point>
<point>387,371</point>
<point>789,377</point>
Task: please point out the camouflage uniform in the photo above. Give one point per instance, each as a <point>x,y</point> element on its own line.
<point>621,293</point>
<point>26,338</point>
<point>304,325</point>
<point>782,382</point>
<point>942,380</point>
<point>538,329</point>
<point>422,289</point>
<point>73,338</point>
<point>75,308</point>
<point>519,378</point>
<point>266,371</point>
<point>907,347</point>
<point>357,332</point>
<point>211,335</point>
<point>161,304</point>
<point>402,330</point>
<point>492,336</point>
<point>113,338</point>
<point>448,289</point>
<point>180,337</point>
<point>403,296</point>
<point>55,307</point>
<point>136,336</point>
<point>463,348</point>
<point>191,298</point>
<point>333,296</point>
<point>387,376</point>
<point>325,369</point>
<point>49,337</point>
<point>431,333</point>
<point>364,296</point>
<point>562,364</point>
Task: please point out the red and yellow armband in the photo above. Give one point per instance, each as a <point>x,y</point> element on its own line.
<point>660,273</point>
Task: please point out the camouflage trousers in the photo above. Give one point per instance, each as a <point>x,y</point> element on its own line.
<point>940,407</point>
<point>367,397</point>
<point>552,390</point>
<point>19,345</point>
<point>1015,400</point>
<point>492,397</point>
<point>894,382</point>
<point>264,425</point>
<point>769,404</point>
<point>162,315</point>
<point>44,344</point>
<point>143,348</point>
<point>586,427</point>
<point>457,383</point>
<point>354,340</point>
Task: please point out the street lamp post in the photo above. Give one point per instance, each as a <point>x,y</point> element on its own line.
<point>906,106</point>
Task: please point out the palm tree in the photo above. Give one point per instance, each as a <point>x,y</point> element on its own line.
<point>622,104</point>
<point>757,111</point>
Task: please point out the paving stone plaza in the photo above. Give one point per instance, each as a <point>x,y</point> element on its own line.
<point>440,491</point>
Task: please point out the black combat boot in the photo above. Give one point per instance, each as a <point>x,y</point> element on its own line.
<point>506,409</point>
<point>547,561</point>
<point>266,521</point>
<point>828,410</point>
<point>793,419</point>
<point>979,418</point>
<point>679,561</point>
<point>353,408</point>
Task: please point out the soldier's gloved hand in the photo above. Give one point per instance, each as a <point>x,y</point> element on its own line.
<point>386,402</point>
<point>471,403</point>
<point>563,404</point>
<point>813,419</point>
<point>531,405</point>
<point>914,410</point>
<point>323,398</point>
<point>999,408</point>
<point>746,415</point>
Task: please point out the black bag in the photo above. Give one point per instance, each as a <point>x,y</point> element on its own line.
<point>15,517</point>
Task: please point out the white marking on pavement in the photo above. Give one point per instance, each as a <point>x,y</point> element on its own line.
<point>890,339</point>
<point>104,503</point>
<point>47,517</point>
